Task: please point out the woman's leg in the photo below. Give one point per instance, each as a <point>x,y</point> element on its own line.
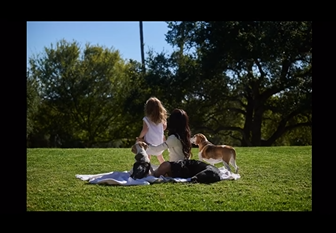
<point>163,169</point>
<point>160,158</point>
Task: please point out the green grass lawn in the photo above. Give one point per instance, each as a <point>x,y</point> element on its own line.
<point>272,179</point>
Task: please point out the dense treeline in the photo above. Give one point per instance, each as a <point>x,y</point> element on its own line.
<point>244,83</point>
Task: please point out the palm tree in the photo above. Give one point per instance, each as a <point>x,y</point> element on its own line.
<point>142,48</point>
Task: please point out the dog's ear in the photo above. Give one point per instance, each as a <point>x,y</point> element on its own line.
<point>133,149</point>
<point>145,145</point>
<point>197,139</point>
<point>202,137</point>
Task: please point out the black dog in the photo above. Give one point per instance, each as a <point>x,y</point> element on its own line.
<point>142,166</point>
<point>140,170</point>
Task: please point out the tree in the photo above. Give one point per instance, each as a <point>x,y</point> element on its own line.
<point>32,104</point>
<point>84,89</point>
<point>254,67</point>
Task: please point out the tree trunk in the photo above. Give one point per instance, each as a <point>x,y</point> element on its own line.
<point>256,125</point>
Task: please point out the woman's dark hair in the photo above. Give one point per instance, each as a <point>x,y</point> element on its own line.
<point>178,124</point>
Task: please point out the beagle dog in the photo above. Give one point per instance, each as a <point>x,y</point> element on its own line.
<point>142,166</point>
<point>213,154</point>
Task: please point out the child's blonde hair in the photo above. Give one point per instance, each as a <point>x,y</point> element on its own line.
<point>155,111</point>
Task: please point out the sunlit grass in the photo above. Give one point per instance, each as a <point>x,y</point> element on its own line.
<point>272,179</point>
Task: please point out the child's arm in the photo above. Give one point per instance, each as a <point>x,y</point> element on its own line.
<point>143,131</point>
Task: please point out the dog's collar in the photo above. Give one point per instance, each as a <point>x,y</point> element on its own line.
<point>204,147</point>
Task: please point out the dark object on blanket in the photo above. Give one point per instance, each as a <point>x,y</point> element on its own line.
<point>140,170</point>
<point>141,161</point>
<point>199,171</point>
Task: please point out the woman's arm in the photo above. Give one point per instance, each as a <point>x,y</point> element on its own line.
<point>170,142</point>
<point>158,148</point>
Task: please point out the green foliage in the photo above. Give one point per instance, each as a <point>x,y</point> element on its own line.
<point>85,90</point>
<point>243,83</point>
<point>272,179</point>
<point>32,104</point>
<point>246,65</point>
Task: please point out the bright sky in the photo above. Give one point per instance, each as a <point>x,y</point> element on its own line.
<point>122,36</point>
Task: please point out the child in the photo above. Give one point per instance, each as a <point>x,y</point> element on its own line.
<point>154,124</point>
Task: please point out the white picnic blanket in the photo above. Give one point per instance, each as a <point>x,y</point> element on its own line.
<point>123,178</point>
